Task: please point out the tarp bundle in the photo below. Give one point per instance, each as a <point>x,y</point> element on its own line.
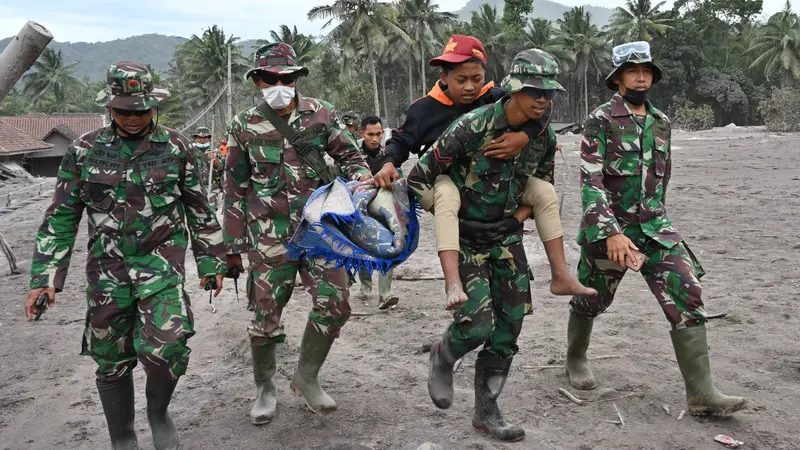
<point>358,226</point>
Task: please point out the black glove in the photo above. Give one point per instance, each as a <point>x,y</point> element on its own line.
<point>482,233</point>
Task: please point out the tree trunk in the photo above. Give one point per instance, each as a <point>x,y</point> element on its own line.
<point>422,66</point>
<point>375,84</point>
<point>383,89</point>
<point>585,92</point>
<point>411,79</point>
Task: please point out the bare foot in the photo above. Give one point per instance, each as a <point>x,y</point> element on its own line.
<point>456,297</point>
<point>568,285</point>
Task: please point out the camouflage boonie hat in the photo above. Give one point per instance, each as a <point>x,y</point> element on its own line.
<point>350,118</point>
<point>130,86</point>
<point>632,53</point>
<point>202,132</point>
<point>532,68</point>
<point>278,58</point>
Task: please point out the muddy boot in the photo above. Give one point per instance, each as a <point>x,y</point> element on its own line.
<point>440,375</point>
<point>491,373</point>
<point>117,400</point>
<point>691,351</point>
<point>388,302</point>
<point>305,383</point>
<point>579,331</point>
<point>263,370</point>
<point>159,394</point>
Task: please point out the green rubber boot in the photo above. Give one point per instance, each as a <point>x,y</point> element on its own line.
<point>117,400</point>
<point>579,331</point>
<point>305,383</point>
<point>691,351</point>
<point>264,365</point>
<point>440,374</point>
<point>159,394</point>
<point>491,373</point>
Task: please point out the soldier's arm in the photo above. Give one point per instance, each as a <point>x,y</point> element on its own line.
<point>56,236</point>
<point>598,219</point>
<point>204,229</point>
<point>547,166</point>
<point>235,186</point>
<point>344,151</point>
<point>451,146</point>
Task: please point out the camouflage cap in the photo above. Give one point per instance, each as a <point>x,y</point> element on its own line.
<point>202,132</point>
<point>532,68</point>
<point>278,58</point>
<point>632,53</point>
<point>350,118</point>
<point>130,86</point>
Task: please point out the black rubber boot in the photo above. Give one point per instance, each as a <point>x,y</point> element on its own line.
<point>691,351</point>
<point>491,372</point>
<point>579,332</point>
<point>266,403</point>
<point>440,374</point>
<point>117,400</point>
<point>305,383</point>
<point>159,394</point>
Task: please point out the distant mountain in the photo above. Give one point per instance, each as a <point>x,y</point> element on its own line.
<point>544,9</point>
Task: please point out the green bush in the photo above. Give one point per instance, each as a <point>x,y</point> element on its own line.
<point>779,111</point>
<point>694,118</point>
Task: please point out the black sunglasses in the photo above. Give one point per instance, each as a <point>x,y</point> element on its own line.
<point>547,94</point>
<point>273,79</point>
<point>131,112</point>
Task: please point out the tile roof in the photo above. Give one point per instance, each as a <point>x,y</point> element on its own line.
<point>70,125</point>
<point>13,140</point>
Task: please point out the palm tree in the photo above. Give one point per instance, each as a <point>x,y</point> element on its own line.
<point>304,46</point>
<point>540,34</point>
<point>639,21</point>
<point>778,46</point>
<point>487,27</point>
<point>578,35</point>
<point>202,63</point>
<point>364,24</point>
<point>51,76</point>
<point>427,27</point>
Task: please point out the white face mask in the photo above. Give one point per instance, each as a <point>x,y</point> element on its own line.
<point>278,97</point>
<point>206,145</point>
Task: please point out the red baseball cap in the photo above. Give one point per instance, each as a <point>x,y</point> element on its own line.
<point>459,49</point>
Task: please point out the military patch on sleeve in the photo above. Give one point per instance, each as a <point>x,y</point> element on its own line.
<point>440,158</point>
<point>589,148</point>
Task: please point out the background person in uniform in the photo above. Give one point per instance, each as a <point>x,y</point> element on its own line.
<point>371,137</point>
<point>495,273</point>
<point>350,120</point>
<point>139,185</point>
<point>626,164</point>
<point>209,158</point>
<point>266,187</point>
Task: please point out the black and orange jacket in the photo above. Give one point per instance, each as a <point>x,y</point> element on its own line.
<point>429,117</point>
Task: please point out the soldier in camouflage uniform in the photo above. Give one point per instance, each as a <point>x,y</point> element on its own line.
<point>350,121</point>
<point>140,186</point>
<point>208,158</point>
<point>494,273</point>
<point>267,185</point>
<point>626,163</point>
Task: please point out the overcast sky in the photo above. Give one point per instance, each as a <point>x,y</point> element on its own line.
<point>105,20</point>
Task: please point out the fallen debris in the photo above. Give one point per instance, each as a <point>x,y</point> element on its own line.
<point>621,420</point>
<point>680,416</point>
<point>728,441</point>
<point>666,408</point>
<point>571,396</point>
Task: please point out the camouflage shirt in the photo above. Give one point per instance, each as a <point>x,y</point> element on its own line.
<point>138,195</point>
<point>266,183</point>
<point>625,169</point>
<point>490,188</point>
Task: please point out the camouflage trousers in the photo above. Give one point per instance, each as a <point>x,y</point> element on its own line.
<point>270,285</point>
<point>673,275</point>
<point>121,327</point>
<point>498,298</point>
